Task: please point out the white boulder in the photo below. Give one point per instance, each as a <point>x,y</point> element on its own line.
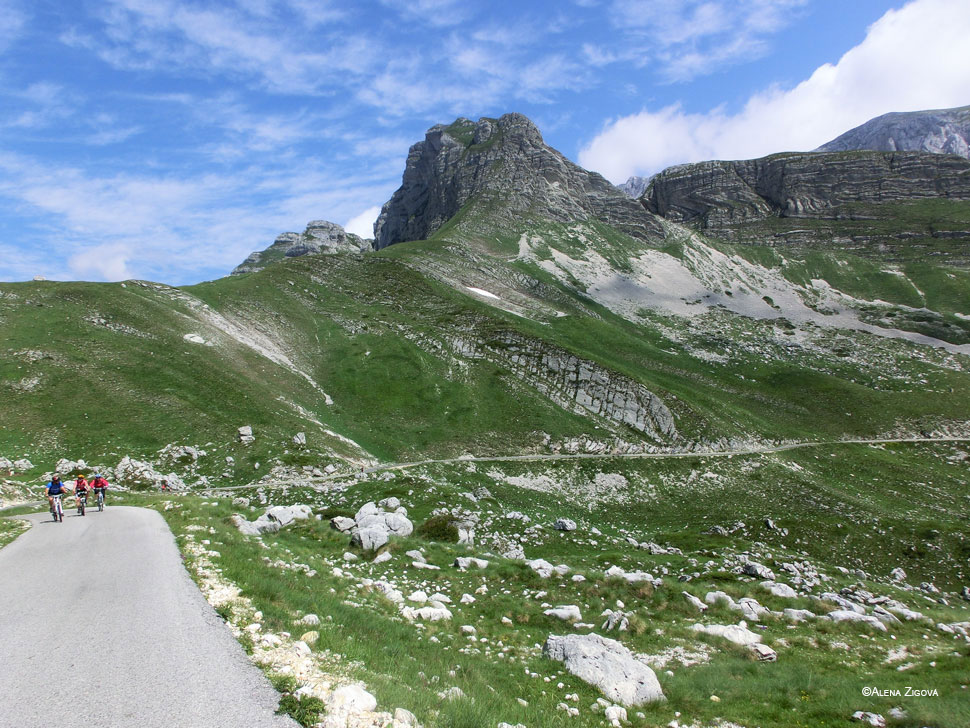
<point>606,664</point>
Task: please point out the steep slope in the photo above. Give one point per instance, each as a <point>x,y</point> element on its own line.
<point>502,174</point>
<point>883,205</point>
<point>940,131</point>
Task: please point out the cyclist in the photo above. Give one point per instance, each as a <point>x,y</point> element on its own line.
<point>81,487</point>
<point>54,487</point>
<point>99,485</point>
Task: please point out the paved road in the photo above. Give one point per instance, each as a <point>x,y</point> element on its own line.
<point>101,627</point>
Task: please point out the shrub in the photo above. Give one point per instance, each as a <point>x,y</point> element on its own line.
<point>439,528</point>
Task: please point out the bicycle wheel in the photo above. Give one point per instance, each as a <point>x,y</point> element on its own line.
<point>82,508</point>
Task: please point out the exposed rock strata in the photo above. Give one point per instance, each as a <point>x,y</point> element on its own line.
<point>575,384</point>
<point>834,200</point>
<point>503,167</point>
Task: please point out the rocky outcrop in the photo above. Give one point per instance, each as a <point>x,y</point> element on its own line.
<point>319,237</point>
<point>635,186</point>
<point>940,131</point>
<point>866,202</point>
<point>575,384</point>
<point>505,170</point>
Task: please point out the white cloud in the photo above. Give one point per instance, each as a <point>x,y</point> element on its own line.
<point>683,39</point>
<point>913,58</point>
<point>173,36</point>
<point>102,262</point>
<point>436,13</point>
<point>12,22</point>
<point>363,224</point>
<point>157,226</point>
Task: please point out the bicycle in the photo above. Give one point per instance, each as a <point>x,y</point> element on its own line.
<point>57,509</point>
<point>82,503</point>
<point>100,492</point>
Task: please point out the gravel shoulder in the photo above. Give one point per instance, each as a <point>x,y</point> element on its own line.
<point>103,627</point>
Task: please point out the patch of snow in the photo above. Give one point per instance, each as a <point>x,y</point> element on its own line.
<point>482,292</point>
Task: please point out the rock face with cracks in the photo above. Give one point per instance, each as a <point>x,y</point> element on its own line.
<point>503,160</point>
<point>814,199</point>
<point>608,665</point>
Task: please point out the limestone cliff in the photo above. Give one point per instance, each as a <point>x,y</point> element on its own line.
<point>497,172</point>
<point>881,204</point>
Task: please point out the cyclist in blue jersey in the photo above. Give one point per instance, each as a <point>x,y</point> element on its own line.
<point>55,487</point>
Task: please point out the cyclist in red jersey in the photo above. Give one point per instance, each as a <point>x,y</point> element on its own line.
<point>81,486</point>
<point>99,484</point>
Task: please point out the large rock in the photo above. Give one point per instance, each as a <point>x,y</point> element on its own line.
<point>502,170</point>
<point>133,472</point>
<point>285,515</point>
<point>372,525</point>
<point>272,520</point>
<point>847,615</point>
<point>606,664</point>
<point>263,524</point>
<point>738,633</point>
<point>753,568</point>
<point>369,539</point>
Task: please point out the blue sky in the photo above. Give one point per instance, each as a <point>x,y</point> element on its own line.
<point>166,139</point>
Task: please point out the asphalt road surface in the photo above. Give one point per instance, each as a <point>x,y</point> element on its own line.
<point>101,627</point>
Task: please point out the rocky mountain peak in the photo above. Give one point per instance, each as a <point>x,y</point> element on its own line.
<point>938,131</point>
<point>635,186</point>
<point>320,236</point>
<point>497,171</point>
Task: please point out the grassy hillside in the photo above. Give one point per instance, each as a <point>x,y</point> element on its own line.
<point>824,515</point>
<point>411,349</point>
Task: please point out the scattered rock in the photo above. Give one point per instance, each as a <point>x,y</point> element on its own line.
<point>872,719</point>
<point>738,633</point>
<point>565,524</point>
<point>342,523</point>
<point>466,562</point>
<point>567,613</point>
<point>763,652</point>
<point>847,615</point>
<point>606,664</point>
<point>245,434</point>
<point>697,603</point>
<point>798,615</point>
<point>779,590</point>
<point>753,568</point>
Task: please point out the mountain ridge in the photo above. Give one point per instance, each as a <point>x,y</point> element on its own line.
<point>938,131</point>
<point>829,200</point>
